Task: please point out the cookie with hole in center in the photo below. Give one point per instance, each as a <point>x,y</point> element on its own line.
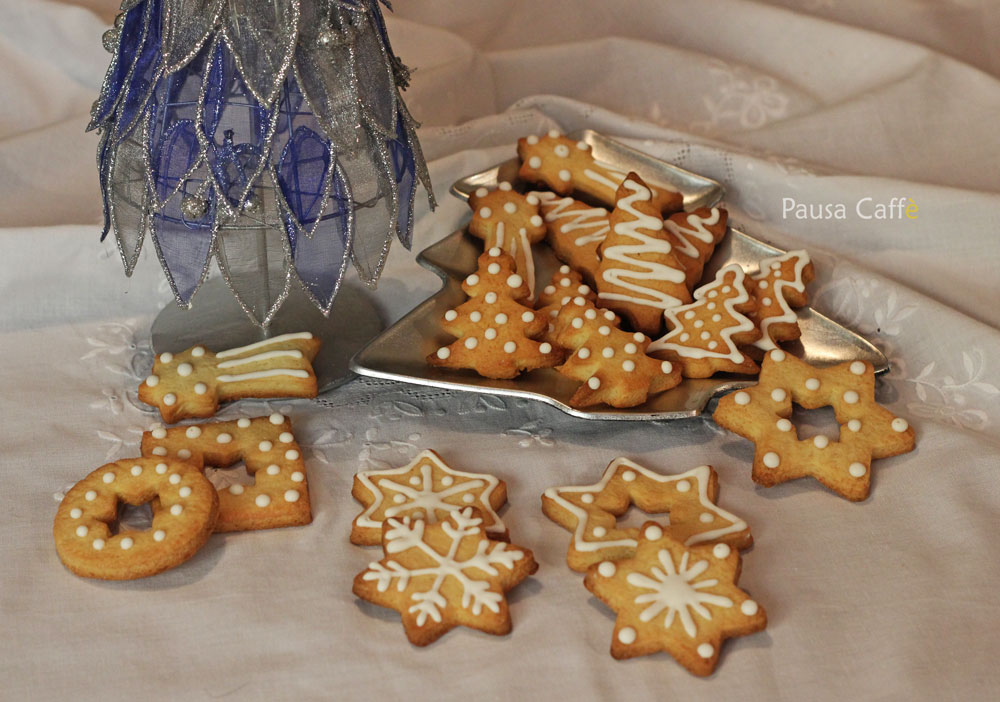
<point>843,464</point>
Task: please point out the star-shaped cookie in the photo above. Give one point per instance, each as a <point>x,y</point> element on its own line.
<point>425,488</point>
<point>439,576</point>
<point>591,511</point>
<point>867,430</point>
<point>674,598</point>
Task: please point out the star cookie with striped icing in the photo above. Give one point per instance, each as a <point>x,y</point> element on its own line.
<point>694,236</point>
<point>496,333</point>
<point>566,166</point>
<point>193,382</point>
<point>279,494</point>
<point>575,231</point>
<point>779,286</point>
<point>443,575</point>
<point>675,598</point>
<point>510,221</point>
<point>843,464</point>
<point>591,512</point>
<point>426,488</point>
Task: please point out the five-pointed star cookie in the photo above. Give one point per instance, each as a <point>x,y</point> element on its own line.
<point>867,430</point>
<point>674,598</point>
<point>425,488</point>
<point>591,511</point>
<point>439,576</point>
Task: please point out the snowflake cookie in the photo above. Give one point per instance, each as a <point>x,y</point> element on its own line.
<point>591,511</point>
<point>425,488</point>
<point>674,598</point>
<point>439,576</point>
<point>867,430</point>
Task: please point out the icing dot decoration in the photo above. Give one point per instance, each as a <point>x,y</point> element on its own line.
<point>771,459</point>
<point>721,551</point>
<point>653,533</point>
<point>606,569</point>
<point>748,607</point>
<point>627,635</point>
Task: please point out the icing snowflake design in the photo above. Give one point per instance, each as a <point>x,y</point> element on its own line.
<point>421,558</point>
<point>677,590</point>
<point>426,488</point>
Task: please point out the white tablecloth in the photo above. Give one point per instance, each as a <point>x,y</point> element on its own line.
<point>820,101</point>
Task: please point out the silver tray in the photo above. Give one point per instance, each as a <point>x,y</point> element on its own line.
<point>399,353</point>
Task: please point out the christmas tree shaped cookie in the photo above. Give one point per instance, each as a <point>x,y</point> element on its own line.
<point>639,276</point>
<point>704,335</point>
<point>611,363</point>
<point>509,221</point>
<point>496,333</point>
<point>779,286</point>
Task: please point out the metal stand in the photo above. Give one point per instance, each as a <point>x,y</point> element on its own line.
<point>218,322</point>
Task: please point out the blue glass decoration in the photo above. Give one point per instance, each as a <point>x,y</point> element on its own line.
<point>268,135</point>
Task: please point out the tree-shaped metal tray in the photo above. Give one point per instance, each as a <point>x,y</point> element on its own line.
<point>399,352</point>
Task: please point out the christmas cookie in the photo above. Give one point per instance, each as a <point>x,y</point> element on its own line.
<point>779,286</point>
<point>192,383</point>
<point>443,575</point>
<point>694,236</point>
<point>511,222</point>
<point>496,333</point>
<point>675,598</point>
<point>843,464</point>
<point>575,231</point>
<point>704,336</point>
<point>426,488</point>
<point>566,284</point>
<point>566,166</point>
<point>279,495</point>
<point>639,275</point>
<point>591,511</point>
<point>184,506</point>
<point>612,365</point>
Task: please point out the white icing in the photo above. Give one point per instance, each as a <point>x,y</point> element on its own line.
<point>185,369</point>
<point>594,383</point>
<point>76,513</point>
<point>584,353</point>
<point>184,491</point>
<point>262,500</point>
<point>291,454</point>
<point>126,543</point>
<point>176,510</point>
<point>200,388</point>
<point>628,366</point>
<point>183,454</point>
<point>152,380</point>
<point>81,531</point>
<point>265,445</point>
<point>675,339</point>
<point>276,418</point>
<point>821,441</point>
<point>900,425</point>
<point>298,476</point>
<point>653,533</point>
<point>748,607</point>
<point>606,569</point>
<point>851,397</point>
<point>108,477</point>
<point>721,551</point>
<point>169,399</point>
<point>528,317</point>
<point>812,384</point>
<point>857,470</point>
<point>136,470</point>
<point>262,344</point>
<point>159,535</point>
<point>256,358</point>
<point>286,437</point>
<point>854,425</point>
<point>545,348</point>
<point>485,212</point>
<point>98,544</point>
<point>771,459</point>
<point>257,375</point>
<point>627,635</point>
<point>742,398</point>
<point>786,314</point>
<point>784,425</point>
<point>166,357</point>
<point>224,438</point>
<point>642,271</point>
<point>678,589</point>
<point>236,489</point>
<point>705,650</point>
<point>174,479</point>
<point>509,207</point>
<point>192,432</point>
<point>159,433</point>
<point>858,368</point>
<point>510,347</point>
<point>695,229</point>
<point>160,451</point>
<point>90,495</point>
<point>471,342</point>
<point>291,495</point>
<point>778,395</point>
<point>729,523</point>
<point>161,468</point>
<point>273,469</point>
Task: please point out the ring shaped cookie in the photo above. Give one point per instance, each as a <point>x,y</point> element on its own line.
<point>279,496</point>
<point>184,503</point>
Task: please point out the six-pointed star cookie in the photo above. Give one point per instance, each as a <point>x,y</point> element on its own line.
<point>439,576</point>
<point>678,599</point>
<point>425,488</point>
<point>591,511</point>
<point>867,430</point>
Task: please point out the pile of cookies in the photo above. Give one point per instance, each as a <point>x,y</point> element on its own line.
<point>447,557</point>
<point>672,587</point>
<point>628,316</point>
<point>169,476</point>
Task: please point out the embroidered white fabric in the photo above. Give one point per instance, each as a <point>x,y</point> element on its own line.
<point>821,101</point>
